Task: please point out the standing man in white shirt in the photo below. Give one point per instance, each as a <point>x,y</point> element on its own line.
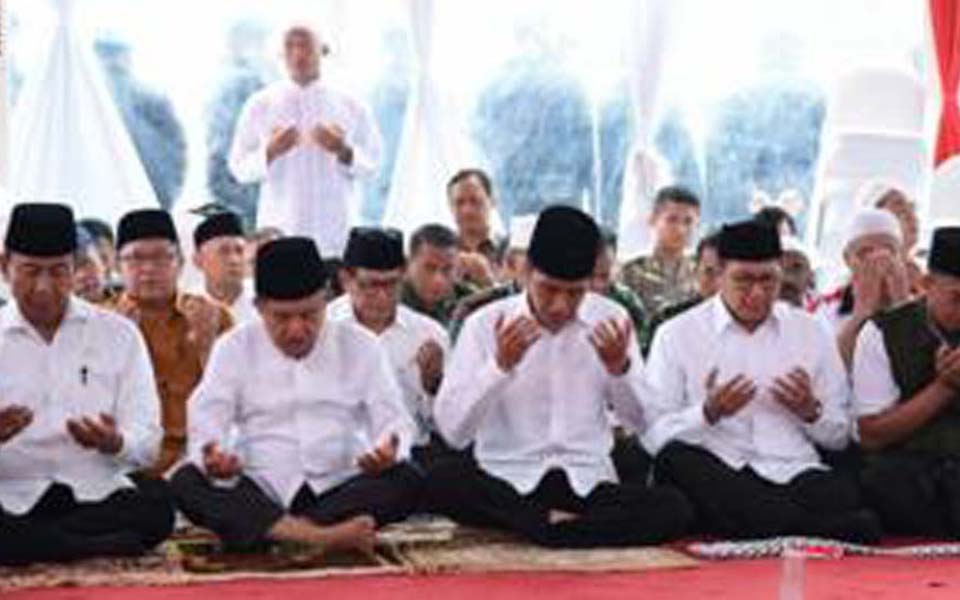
<point>78,410</point>
<point>746,386</point>
<point>321,431</point>
<point>415,344</point>
<point>531,383</point>
<point>906,386</point>
<point>220,255</point>
<point>309,144</point>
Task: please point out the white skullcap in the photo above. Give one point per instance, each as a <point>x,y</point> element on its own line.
<point>872,191</point>
<point>521,230</point>
<point>872,221</point>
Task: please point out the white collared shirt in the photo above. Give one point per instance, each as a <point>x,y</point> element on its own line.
<point>97,363</point>
<point>243,310</point>
<point>551,410</point>
<point>297,421</point>
<point>763,434</point>
<point>307,191</point>
<point>401,341</point>
<point>874,388</point>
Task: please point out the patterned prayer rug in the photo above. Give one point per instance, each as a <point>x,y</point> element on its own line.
<point>419,546</point>
<point>816,547</point>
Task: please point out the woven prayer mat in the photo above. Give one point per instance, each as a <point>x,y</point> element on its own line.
<point>418,546</point>
<point>775,547</point>
<point>440,546</point>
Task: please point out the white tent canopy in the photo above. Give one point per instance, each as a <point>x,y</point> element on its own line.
<point>68,141</point>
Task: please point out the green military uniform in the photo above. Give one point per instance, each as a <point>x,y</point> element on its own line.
<point>915,485</point>
<point>443,310</point>
<point>659,284</point>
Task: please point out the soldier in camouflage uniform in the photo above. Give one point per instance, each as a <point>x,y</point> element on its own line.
<point>707,272</point>
<point>431,285</point>
<point>667,276</point>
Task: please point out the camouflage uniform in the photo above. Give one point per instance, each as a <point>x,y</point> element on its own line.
<point>443,311</point>
<point>657,284</point>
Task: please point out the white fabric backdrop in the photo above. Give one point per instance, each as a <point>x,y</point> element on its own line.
<point>432,147</point>
<point>645,171</point>
<point>68,141</point>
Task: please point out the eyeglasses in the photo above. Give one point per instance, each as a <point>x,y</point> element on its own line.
<point>135,259</point>
<point>370,286</point>
<point>744,283</point>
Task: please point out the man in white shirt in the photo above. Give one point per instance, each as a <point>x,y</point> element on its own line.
<point>531,382</point>
<point>746,386</point>
<point>309,144</point>
<point>906,385</point>
<point>78,410</point>
<point>415,344</point>
<point>297,430</point>
<point>220,255</point>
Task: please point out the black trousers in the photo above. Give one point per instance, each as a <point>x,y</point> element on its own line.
<point>914,494</point>
<point>741,504</point>
<point>242,515</point>
<point>59,528</point>
<point>611,515</point>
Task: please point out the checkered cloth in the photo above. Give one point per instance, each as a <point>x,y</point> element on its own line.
<point>814,547</point>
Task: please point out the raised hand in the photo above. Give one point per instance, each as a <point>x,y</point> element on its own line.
<point>218,464</point>
<point>514,338</point>
<point>727,398</point>
<point>612,340</point>
<point>795,392</point>
<point>281,141</point>
<point>430,361</point>
<point>13,420</point>
<point>96,434</point>
<point>948,367</point>
<point>381,458</point>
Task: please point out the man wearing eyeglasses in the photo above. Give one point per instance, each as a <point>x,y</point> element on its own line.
<point>179,328</point>
<point>746,387</point>
<point>416,345</point>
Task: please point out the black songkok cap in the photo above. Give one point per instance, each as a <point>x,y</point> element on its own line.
<point>750,241</point>
<point>945,251</point>
<point>564,243</point>
<point>144,224</point>
<point>374,248</point>
<point>289,268</point>
<point>41,230</point>
<point>223,224</point>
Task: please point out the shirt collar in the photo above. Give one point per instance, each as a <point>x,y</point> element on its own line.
<point>342,308</point>
<point>586,312</point>
<point>12,319</point>
<point>723,319</point>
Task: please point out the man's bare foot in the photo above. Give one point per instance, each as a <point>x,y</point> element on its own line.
<point>358,533</point>
<point>561,516</point>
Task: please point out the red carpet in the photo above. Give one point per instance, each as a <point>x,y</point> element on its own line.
<point>874,578</point>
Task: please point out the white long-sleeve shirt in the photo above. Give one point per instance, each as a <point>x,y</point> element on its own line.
<point>874,388</point>
<point>764,434</point>
<point>307,191</point>
<point>401,341</point>
<point>551,410</point>
<point>297,421</point>
<point>97,363</point>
